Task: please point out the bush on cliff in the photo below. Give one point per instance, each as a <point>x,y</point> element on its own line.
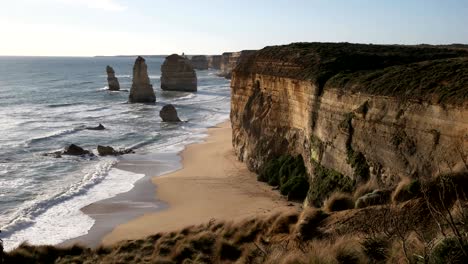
<point>325,182</point>
<point>289,174</point>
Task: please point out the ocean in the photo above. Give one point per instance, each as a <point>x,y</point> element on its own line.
<point>47,102</point>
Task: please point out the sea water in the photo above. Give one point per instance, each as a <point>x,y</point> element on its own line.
<point>46,104</point>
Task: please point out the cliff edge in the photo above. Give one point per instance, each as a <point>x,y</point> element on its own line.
<point>353,110</point>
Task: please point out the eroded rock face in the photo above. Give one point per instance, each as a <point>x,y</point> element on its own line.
<point>353,109</point>
<point>169,114</point>
<point>214,62</point>
<point>199,62</point>
<point>177,74</point>
<point>112,81</point>
<point>110,151</point>
<point>142,90</point>
<point>229,61</point>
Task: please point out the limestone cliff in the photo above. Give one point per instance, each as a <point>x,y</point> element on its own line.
<point>142,90</point>
<point>199,62</point>
<point>112,81</point>
<point>359,110</point>
<point>177,74</point>
<point>214,62</point>
<point>229,61</point>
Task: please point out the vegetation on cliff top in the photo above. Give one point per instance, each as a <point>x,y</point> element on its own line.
<point>430,228</point>
<point>415,72</point>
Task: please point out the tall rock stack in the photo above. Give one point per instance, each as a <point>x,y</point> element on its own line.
<point>199,62</point>
<point>142,90</point>
<point>112,81</point>
<point>214,62</point>
<point>178,74</point>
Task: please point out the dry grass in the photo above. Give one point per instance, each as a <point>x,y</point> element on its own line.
<point>406,189</point>
<point>346,249</point>
<point>416,231</point>
<point>338,202</point>
<point>309,220</point>
<point>366,188</point>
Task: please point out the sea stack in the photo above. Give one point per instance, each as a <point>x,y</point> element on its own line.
<point>199,62</point>
<point>142,90</point>
<point>112,81</point>
<point>178,74</point>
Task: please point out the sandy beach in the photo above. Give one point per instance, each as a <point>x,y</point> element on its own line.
<point>212,184</point>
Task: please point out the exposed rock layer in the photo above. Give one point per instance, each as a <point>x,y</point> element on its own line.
<point>142,90</point>
<point>199,62</point>
<point>178,74</point>
<point>112,81</point>
<point>229,61</point>
<point>394,111</point>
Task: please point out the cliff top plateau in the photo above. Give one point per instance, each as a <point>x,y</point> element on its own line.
<point>423,72</point>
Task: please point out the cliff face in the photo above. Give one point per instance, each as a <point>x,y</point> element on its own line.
<point>199,62</point>
<point>214,62</point>
<point>229,61</point>
<point>360,110</point>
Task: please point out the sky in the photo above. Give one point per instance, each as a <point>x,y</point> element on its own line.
<point>147,27</point>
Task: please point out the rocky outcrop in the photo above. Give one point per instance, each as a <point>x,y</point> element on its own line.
<point>142,90</point>
<point>112,81</point>
<point>74,150</point>
<point>99,127</point>
<point>199,62</point>
<point>110,151</point>
<point>169,114</point>
<point>229,61</point>
<point>214,62</point>
<point>177,74</point>
<point>360,111</point>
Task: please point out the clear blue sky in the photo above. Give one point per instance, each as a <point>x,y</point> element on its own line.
<point>111,27</point>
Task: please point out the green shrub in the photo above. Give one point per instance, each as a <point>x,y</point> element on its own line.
<point>289,173</point>
<point>325,182</point>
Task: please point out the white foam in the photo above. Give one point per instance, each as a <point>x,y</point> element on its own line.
<point>65,220</point>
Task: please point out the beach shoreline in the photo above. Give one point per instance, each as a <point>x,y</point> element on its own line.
<point>141,199</point>
<point>212,184</point>
<point>189,191</point>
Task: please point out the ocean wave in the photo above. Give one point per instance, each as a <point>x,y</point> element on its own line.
<point>86,82</point>
<point>145,142</point>
<point>118,76</point>
<point>63,105</point>
<point>25,217</point>
<point>55,134</point>
<point>106,89</point>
